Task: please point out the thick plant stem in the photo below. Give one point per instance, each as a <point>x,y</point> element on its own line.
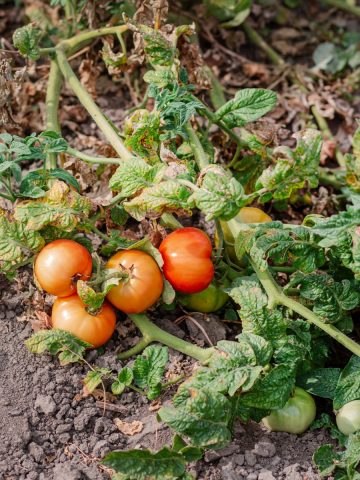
<point>256,39</point>
<point>52,106</point>
<point>152,333</point>
<point>277,297</point>
<point>168,220</point>
<point>92,159</point>
<point>199,153</point>
<point>91,106</point>
<point>78,41</point>
<point>343,5</point>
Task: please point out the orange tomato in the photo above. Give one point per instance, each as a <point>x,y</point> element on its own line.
<point>143,287</point>
<point>70,314</point>
<point>60,264</point>
<point>187,260</point>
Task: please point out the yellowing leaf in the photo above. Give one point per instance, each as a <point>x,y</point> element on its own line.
<point>61,207</point>
<point>16,242</point>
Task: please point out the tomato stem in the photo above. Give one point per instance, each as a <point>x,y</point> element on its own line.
<point>93,159</point>
<point>86,100</point>
<point>152,333</point>
<point>52,106</point>
<point>277,297</point>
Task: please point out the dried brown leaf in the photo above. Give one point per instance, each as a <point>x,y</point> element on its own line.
<point>129,428</point>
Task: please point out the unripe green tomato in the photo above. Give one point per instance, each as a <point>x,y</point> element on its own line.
<point>348,418</point>
<point>209,300</point>
<point>296,416</point>
<point>245,215</point>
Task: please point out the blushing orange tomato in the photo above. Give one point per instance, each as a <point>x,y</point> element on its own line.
<point>187,260</point>
<point>144,285</point>
<point>60,264</point>
<point>69,314</point>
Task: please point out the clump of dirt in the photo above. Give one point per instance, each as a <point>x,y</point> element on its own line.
<point>49,431</point>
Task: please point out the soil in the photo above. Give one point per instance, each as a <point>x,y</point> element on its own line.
<point>49,431</point>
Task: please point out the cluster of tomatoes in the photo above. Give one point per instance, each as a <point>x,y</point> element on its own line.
<point>60,264</point>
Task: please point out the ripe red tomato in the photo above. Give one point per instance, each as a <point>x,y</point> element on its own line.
<point>70,314</point>
<point>187,260</point>
<point>144,286</point>
<point>60,264</point>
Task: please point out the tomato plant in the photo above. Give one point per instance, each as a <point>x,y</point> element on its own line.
<point>69,314</point>
<point>296,415</point>
<point>143,286</point>
<point>209,300</point>
<point>60,264</point>
<point>297,281</point>
<point>187,260</point>
<point>348,418</point>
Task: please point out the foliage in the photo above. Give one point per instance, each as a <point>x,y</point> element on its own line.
<point>176,166</point>
<point>334,58</point>
<point>15,150</point>
<point>26,40</point>
<point>70,348</point>
<point>142,464</point>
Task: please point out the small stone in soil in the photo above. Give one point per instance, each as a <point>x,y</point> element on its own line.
<point>250,458</point>
<point>266,475</point>
<point>265,449</point>
<point>46,404</point>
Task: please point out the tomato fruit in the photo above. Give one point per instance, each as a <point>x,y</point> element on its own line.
<point>60,264</point>
<point>245,215</point>
<point>144,286</point>
<point>209,300</point>
<point>348,418</point>
<point>70,314</point>
<point>187,260</point>
<point>296,415</point>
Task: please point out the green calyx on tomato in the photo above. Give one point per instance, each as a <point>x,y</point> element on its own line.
<point>348,418</point>
<point>209,300</point>
<point>187,260</point>
<point>296,415</point>
<point>245,215</point>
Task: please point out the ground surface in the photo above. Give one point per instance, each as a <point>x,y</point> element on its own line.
<point>49,432</point>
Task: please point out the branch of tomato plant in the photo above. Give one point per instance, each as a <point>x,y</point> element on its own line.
<point>152,333</point>
<point>93,159</point>
<point>277,297</point>
<point>343,5</point>
<point>274,291</point>
<point>276,59</point>
<point>52,107</point>
<point>89,104</point>
<point>68,47</point>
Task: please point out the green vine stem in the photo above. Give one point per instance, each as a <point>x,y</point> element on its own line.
<point>275,293</point>
<point>199,153</point>
<point>89,104</point>
<point>277,297</point>
<point>52,106</point>
<point>75,43</point>
<point>93,159</point>
<point>343,5</point>
<point>255,38</point>
<point>152,333</point>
